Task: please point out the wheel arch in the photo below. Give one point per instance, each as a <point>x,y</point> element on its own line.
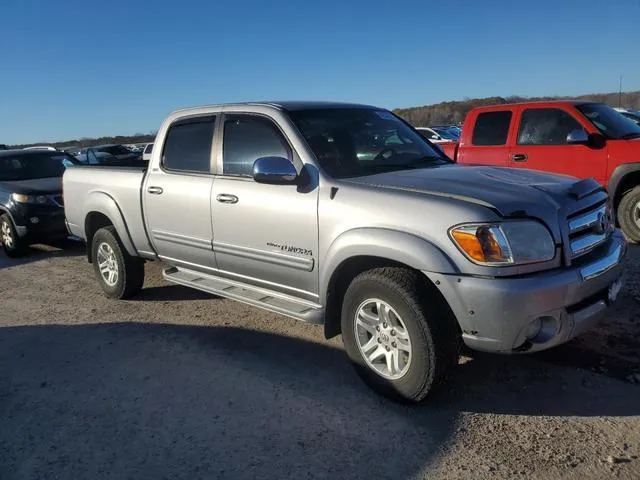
<point>360,250</point>
<point>624,178</point>
<point>102,211</point>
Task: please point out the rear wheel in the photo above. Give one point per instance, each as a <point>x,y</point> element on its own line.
<point>399,333</point>
<point>120,275</point>
<point>12,244</point>
<point>629,214</point>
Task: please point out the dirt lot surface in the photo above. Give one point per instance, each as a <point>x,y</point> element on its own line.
<point>178,384</point>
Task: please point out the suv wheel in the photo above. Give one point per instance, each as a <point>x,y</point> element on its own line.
<point>12,244</point>
<point>399,333</point>
<point>629,214</point>
<point>120,275</point>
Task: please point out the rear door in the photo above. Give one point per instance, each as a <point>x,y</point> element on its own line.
<point>488,144</point>
<point>177,195</point>
<point>541,144</point>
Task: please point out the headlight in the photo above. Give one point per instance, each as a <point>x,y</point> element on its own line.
<point>502,244</point>
<point>20,198</point>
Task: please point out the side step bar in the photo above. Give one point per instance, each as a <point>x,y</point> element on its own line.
<point>258,297</point>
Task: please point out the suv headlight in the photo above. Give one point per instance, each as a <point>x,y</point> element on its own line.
<point>20,198</point>
<point>502,244</point>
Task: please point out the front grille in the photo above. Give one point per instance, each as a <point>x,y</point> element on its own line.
<point>589,229</point>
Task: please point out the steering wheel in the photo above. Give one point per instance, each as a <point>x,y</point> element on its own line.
<point>381,155</point>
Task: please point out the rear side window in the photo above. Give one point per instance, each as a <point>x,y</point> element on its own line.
<point>491,128</point>
<point>148,148</point>
<point>248,138</point>
<point>546,126</point>
<point>188,145</point>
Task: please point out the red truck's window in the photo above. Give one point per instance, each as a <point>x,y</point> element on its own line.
<point>491,128</point>
<point>546,126</point>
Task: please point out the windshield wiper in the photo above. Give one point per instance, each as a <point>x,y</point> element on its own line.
<point>631,135</point>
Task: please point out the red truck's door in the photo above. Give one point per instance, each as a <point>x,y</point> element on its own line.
<point>487,143</point>
<point>541,144</point>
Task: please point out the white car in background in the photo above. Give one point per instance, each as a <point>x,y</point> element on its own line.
<point>146,153</point>
<point>42,147</point>
<point>633,115</point>
<point>440,133</point>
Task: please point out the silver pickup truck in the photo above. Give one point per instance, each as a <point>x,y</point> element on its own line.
<point>344,215</point>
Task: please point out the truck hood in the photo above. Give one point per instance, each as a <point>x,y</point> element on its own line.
<point>511,192</point>
<point>33,186</point>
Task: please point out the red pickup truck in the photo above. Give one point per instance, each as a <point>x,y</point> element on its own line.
<point>577,138</point>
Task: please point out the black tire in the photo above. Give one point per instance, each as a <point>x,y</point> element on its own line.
<point>130,270</point>
<point>16,247</point>
<point>628,211</point>
<point>432,328</point>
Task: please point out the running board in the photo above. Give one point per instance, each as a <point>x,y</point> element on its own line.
<point>257,297</point>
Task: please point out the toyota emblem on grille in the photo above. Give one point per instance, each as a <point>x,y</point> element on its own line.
<point>603,225</point>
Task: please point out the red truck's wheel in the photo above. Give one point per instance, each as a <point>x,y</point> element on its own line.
<point>120,275</point>
<point>629,214</point>
<point>398,332</point>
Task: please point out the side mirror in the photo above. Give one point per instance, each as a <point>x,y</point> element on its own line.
<point>274,170</point>
<point>577,137</point>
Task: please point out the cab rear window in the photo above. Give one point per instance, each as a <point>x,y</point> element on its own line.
<point>491,128</point>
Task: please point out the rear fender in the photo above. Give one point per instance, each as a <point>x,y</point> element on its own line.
<point>101,202</point>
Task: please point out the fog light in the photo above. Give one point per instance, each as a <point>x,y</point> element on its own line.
<point>533,329</point>
<point>34,219</point>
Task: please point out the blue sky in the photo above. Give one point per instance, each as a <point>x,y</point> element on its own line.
<point>74,69</point>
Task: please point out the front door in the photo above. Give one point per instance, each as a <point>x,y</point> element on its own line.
<point>177,195</point>
<point>266,235</point>
<point>541,144</point>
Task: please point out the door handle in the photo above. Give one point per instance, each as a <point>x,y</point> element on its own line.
<point>227,198</point>
<point>155,190</point>
<point>519,157</point>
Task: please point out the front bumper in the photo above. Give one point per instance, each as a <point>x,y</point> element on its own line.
<point>40,223</point>
<point>496,314</point>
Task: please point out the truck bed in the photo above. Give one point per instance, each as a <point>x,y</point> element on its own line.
<point>87,186</point>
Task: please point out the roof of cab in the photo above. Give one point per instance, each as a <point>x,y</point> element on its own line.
<point>537,103</point>
<point>290,105</point>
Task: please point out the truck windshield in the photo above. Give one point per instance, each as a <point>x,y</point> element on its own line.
<point>609,122</point>
<point>350,142</point>
<point>34,165</point>
<point>447,133</point>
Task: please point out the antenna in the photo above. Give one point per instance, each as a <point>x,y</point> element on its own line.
<point>620,94</point>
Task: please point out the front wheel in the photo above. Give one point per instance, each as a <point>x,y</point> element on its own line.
<point>120,275</point>
<point>629,214</point>
<point>12,244</point>
<point>399,333</point>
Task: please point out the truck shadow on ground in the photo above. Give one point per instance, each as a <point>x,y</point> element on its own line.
<point>36,253</point>
<point>169,401</point>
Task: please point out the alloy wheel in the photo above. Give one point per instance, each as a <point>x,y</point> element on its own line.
<point>382,338</point>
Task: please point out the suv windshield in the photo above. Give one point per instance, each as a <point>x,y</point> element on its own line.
<point>115,150</point>
<point>350,142</point>
<point>28,166</point>
<point>609,122</point>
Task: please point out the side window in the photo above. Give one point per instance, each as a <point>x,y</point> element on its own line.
<point>148,148</point>
<point>546,126</point>
<point>491,128</point>
<point>188,145</point>
<point>246,139</point>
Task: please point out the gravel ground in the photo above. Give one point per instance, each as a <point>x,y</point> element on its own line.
<point>180,384</point>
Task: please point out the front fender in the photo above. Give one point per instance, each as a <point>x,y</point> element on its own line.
<point>402,247</point>
<point>105,204</point>
<point>618,175</point>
